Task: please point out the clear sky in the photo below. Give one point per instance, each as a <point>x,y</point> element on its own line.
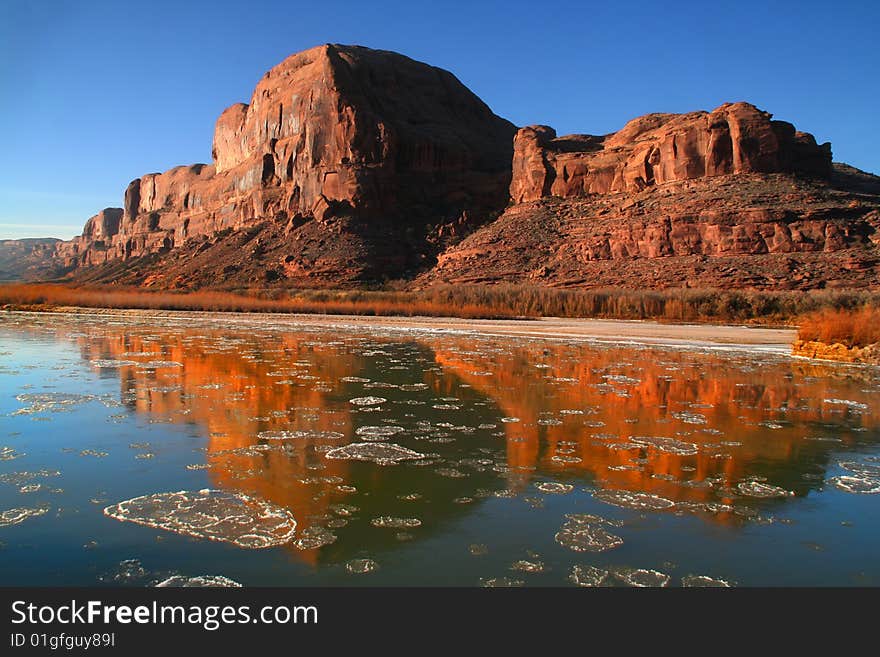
<point>94,93</point>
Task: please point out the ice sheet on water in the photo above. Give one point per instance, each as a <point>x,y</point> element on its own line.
<point>313,538</point>
<point>859,484</point>
<point>361,566</point>
<point>367,401</point>
<point>633,500</point>
<point>8,454</point>
<point>501,582</point>
<point>378,433</point>
<point>199,581</point>
<point>667,445</point>
<point>865,469</point>
<point>641,577</point>
<point>391,522</point>
<point>215,515</point>
<point>282,434</point>
<point>109,363</point>
<point>847,402</point>
<point>159,364</point>
<point>525,566</point>
<point>690,418</point>
<point>588,576</point>
<point>14,516</point>
<point>52,402</point>
<point>693,581</point>
<point>554,488</point>
<point>128,571</point>
<point>759,489</point>
<point>583,533</point>
<point>379,453</point>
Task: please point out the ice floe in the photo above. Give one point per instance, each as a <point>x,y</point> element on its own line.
<point>215,515</point>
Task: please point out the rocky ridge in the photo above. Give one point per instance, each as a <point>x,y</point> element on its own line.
<point>352,165</point>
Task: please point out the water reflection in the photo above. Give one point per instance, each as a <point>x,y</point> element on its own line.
<point>730,437</point>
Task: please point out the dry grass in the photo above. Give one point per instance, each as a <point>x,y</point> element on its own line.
<point>853,328</point>
<point>54,295</point>
<point>485,302</point>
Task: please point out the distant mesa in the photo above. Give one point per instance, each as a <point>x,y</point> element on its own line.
<point>353,165</point>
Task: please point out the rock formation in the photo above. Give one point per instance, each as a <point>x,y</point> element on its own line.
<point>352,165</point>
<point>343,135</point>
<point>28,259</point>
<point>660,148</point>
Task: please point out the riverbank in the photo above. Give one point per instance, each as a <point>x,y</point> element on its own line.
<point>777,340</point>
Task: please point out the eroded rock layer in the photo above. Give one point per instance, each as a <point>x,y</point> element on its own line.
<point>339,135</point>
<point>352,165</point>
<point>660,148</point>
<point>750,230</point>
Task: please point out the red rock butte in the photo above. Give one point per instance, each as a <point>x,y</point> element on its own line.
<point>351,165</point>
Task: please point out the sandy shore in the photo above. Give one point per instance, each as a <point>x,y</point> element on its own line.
<point>603,330</point>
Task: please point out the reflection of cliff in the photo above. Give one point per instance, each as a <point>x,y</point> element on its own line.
<point>585,411</point>
<point>741,419</point>
<point>241,389</point>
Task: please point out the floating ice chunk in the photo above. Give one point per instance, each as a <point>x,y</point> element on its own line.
<point>633,500</point>
<point>510,420</point>
<point>391,522</point>
<point>127,572</point>
<point>367,401</point>
<point>379,433</point>
<point>299,435</point>
<point>107,362</point>
<point>50,402</point>
<point>582,536</point>
<point>412,387</point>
<point>199,581</point>
<point>354,379</point>
<point>554,488</point>
<point>856,484</point>
<point>703,581</point>
<point>690,418</point>
<point>501,582</point>
<point>313,538</point>
<point>8,454</point>
<point>758,489</point>
<point>243,521</point>
<point>14,516</point>
<point>588,576</point>
<point>95,453</point>
<point>847,402</point>
<point>871,470</point>
<point>361,566</point>
<point>667,445</point>
<point>528,566</point>
<point>156,364</point>
<point>641,577</point>
<point>380,453</point>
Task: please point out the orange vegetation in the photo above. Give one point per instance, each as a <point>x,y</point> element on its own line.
<point>466,301</point>
<point>853,328</point>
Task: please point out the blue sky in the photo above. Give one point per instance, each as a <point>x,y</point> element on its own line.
<point>95,93</point>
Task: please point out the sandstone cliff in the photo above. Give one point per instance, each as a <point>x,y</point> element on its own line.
<point>660,148</point>
<point>371,145</point>
<point>351,165</point>
<point>28,259</point>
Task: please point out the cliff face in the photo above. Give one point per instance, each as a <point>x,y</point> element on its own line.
<point>351,164</point>
<point>27,259</point>
<point>728,198</point>
<point>370,141</point>
<point>750,230</point>
<point>661,148</point>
